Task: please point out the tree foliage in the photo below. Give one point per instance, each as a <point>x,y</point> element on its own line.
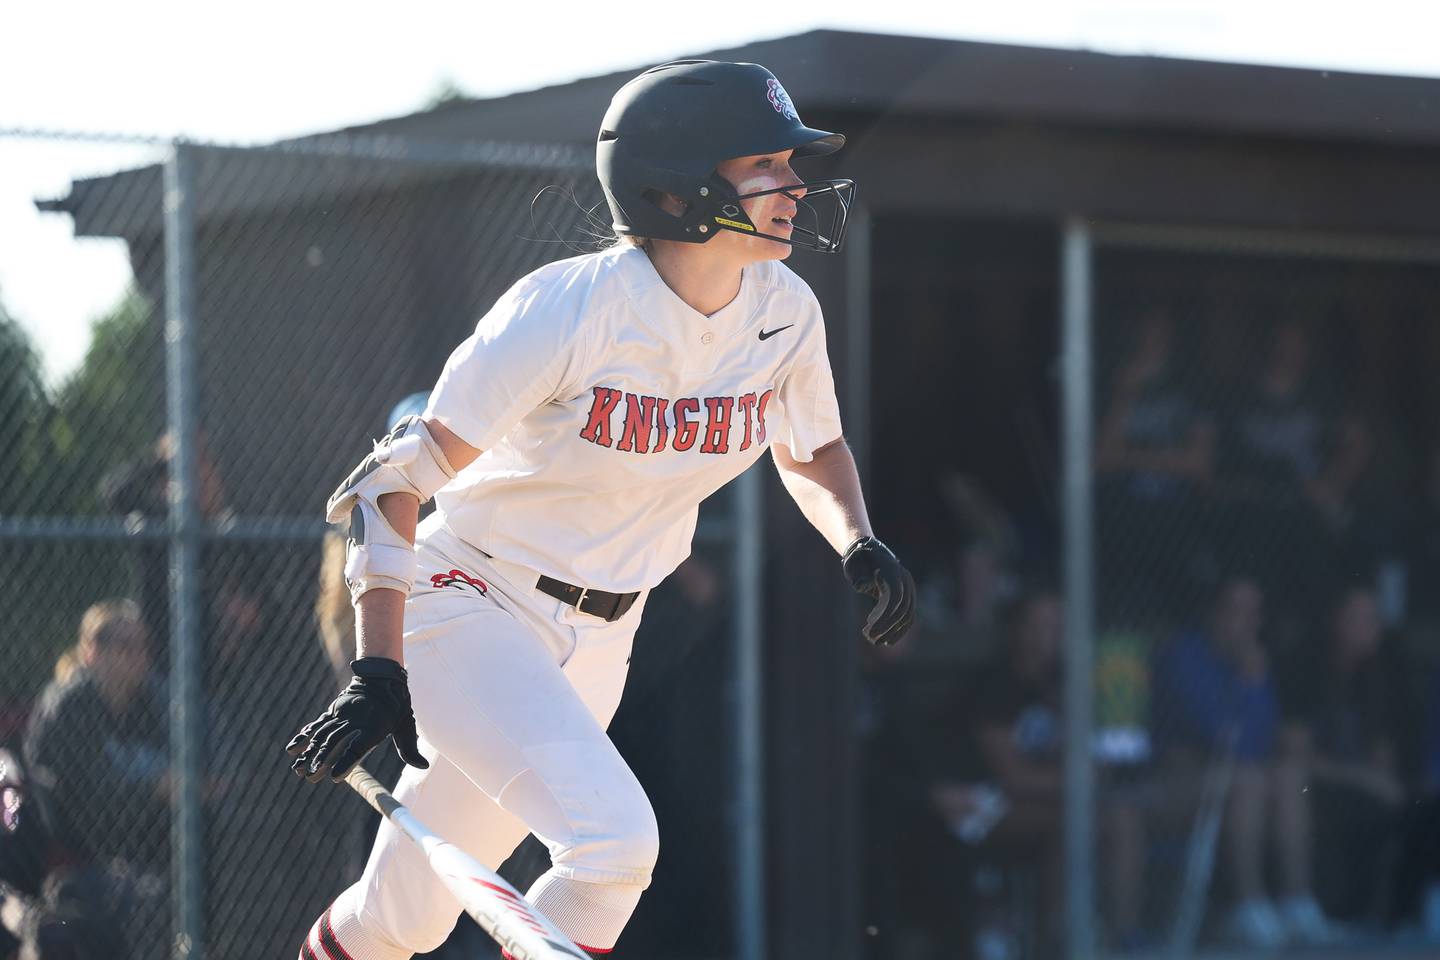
<point>113,406</point>
<point>25,409</point>
<point>107,412</point>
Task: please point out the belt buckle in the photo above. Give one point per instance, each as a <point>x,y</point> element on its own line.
<point>580,600</point>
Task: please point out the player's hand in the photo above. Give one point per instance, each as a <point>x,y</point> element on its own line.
<point>872,569</point>
<point>374,706</point>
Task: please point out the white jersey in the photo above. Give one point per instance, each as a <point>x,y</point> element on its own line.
<point>607,409</point>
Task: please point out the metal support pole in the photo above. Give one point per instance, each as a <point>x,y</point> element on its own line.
<point>1077,506</point>
<point>857,338</point>
<point>185,545</point>
<point>750,919</point>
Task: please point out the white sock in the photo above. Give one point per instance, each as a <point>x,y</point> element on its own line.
<point>339,935</point>
<point>591,914</point>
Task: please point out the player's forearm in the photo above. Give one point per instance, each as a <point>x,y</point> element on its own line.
<point>380,613</point>
<point>827,491</point>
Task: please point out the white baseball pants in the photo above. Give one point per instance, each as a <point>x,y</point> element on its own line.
<point>512,691</point>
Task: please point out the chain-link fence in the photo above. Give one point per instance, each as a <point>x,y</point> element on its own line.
<point>1264,409</point>
<point>1174,685</point>
<point>175,606</point>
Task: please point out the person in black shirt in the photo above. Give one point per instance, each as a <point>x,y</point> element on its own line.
<point>95,748</point>
<point>1153,460</point>
<point>1290,457</point>
<point>95,753</point>
<point>1017,720</point>
<point>1344,706</point>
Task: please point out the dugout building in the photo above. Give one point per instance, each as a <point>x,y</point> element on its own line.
<point>1234,195</point>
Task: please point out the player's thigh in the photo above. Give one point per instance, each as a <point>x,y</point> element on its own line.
<point>601,659</point>
<point>399,891</point>
<point>491,698</point>
<point>487,691</point>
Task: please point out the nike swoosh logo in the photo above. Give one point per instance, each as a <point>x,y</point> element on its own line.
<point>767,334</point>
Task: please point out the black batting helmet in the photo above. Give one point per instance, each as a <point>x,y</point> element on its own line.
<point>668,129</point>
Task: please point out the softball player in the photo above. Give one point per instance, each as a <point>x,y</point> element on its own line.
<point>568,443</point>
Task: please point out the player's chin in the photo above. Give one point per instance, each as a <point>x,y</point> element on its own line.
<point>771,248</point>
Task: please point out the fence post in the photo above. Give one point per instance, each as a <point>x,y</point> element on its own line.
<point>749,880</point>
<point>1077,505</point>
<point>185,547</point>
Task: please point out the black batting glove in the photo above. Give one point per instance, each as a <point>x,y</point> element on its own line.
<point>374,706</point>
<point>873,570</point>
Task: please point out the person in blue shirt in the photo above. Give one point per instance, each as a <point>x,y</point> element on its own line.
<point>1215,698</point>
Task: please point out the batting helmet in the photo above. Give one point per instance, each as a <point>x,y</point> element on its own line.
<point>668,129</point>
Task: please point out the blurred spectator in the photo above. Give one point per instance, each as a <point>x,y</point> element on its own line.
<point>1215,703</point>
<point>1017,719</point>
<point>1290,458</point>
<point>918,873</point>
<point>25,843</point>
<point>95,748</point>
<point>1423,587</point>
<point>80,916</point>
<point>1154,456</point>
<point>963,590</point>
<point>959,609</point>
<point>1418,875</point>
<point>140,491</point>
<point>1343,709</point>
<point>95,751</point>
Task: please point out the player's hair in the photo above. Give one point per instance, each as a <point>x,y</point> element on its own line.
<point>107,621</point>
<point>596,232</point>
<point>100,626</point>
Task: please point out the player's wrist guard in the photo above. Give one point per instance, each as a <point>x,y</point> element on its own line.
<point>407,460</point>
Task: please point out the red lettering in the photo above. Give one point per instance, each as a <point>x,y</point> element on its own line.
<point>639,419</point>
<point>685,429</point>
<point>747,404</point>
<point>660,406</point>
<point>717,430</point>
<point>597,430</point>
<point>760,416</point>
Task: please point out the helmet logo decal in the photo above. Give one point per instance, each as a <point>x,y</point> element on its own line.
<point>781,101</point>
<point>736,224</point>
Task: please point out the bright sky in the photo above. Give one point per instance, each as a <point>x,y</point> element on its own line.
<point>264,70</point>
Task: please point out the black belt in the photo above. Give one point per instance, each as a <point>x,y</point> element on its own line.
<point>607,606</point>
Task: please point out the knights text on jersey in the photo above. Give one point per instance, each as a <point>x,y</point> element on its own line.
<point>608,409</point>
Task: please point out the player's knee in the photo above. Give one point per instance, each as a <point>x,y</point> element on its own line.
<point>429,936</point>
<point>621,848</point>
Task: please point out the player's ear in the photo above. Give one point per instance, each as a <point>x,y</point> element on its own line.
<point>668,202</point>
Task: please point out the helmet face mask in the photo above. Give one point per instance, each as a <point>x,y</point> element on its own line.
<point>668,130</point>
<point>811,229</point>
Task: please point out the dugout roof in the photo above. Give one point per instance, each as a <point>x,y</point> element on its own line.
<point>839,71</point>
<point>1031,130</point>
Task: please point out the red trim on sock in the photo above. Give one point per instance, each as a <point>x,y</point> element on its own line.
<point>329,941</point>
<point>598,950</point>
